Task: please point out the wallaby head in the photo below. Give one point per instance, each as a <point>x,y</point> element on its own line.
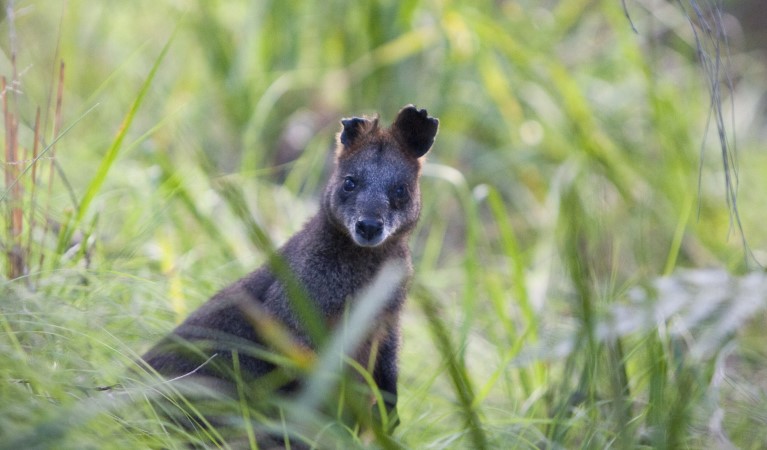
<point>373,193</point>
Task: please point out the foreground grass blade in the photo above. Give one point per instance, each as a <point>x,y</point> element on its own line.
<point>94,187</point>
<point>305,309</point>
<point>457,371</point>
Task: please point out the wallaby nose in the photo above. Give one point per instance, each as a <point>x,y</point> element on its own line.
<point>369,229</point>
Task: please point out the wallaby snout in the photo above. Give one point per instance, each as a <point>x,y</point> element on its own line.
<point>369,232</point>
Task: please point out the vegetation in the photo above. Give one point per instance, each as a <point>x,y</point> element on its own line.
<point>581,281</point>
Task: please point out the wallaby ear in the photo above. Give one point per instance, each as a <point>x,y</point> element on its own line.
<point>353,128</point>
<point>415,129</point>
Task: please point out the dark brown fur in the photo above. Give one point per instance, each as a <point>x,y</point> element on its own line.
<point>369,207</point>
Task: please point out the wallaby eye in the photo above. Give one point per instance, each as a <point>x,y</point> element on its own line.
<point>400,192</point>
<point>349,184</point>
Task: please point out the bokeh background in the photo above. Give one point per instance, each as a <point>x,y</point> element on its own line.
<point>592,236</point>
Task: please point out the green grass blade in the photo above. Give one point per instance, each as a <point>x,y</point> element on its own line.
<point>45,151</point>
<point>174,183</point>
<point>94,187</point>
<point>457,371</point>
<point>305,308</point>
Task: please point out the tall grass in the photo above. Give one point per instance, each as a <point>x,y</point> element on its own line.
<point>576,286</point>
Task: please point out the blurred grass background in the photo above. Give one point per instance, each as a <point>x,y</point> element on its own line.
<point>581,281</point>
